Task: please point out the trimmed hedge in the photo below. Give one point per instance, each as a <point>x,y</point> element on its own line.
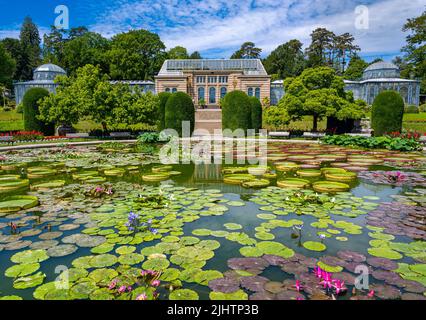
<point>164,96</point>
<point>31,111</point>
<point>387,113</point>
<point>179,107</point>
<point>411,109</point>
<point>256,114</point>
<point>236,111</point>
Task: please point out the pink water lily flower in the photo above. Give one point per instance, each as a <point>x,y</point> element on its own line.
<point>112,285</point>
<point>122,289</point>
<point>298,286</point>
<point>318,272</point>
<point>339,286</point>
<point>142,296</point>
<point>371,294</point>
<point>155,283</point>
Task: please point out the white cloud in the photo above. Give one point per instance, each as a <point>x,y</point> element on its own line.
<point>212,25</point>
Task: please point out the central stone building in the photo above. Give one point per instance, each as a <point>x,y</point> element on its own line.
<point>207,80</point>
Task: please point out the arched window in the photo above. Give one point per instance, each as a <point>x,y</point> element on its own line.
<point>257,93</point>
<point>201,93</point>
<point>212,95</point>
<point>167,89</point>
<point>223,92</point>
<point>174,90</point>
<point>250,92</point>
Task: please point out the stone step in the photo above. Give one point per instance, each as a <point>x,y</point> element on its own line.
<point>210,126</point>
<point>208,115</point>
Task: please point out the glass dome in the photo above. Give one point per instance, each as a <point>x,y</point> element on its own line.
<point>48,72</point>
<point>380,70</point>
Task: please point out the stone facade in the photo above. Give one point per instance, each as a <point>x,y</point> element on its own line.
<point>208,81</point>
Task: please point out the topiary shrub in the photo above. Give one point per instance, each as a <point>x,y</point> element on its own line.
<point>31,111</point>
<point>422,108</point>
<point>236,111</point>
<point>179,107</point>
<point>256,114</point>
<point>387,113</point>
<point>164,96</point>
<point>411,109</point>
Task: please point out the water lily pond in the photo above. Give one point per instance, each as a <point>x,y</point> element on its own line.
<point>100,224</point>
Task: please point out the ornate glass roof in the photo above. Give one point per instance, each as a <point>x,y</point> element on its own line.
<point>48,72</point>
<point>247,66</point>
<point>380,70</point>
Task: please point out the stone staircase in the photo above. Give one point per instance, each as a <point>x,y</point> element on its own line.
<point>208,119</point>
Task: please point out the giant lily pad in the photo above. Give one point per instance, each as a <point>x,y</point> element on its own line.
<point>293,183</point>
<point>330,186</point>
<point>16,203</point>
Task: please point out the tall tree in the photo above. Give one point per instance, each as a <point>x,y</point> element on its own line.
<point>137,54</point>
<point>355,68</point>
<point>178,53</point>
<point>415,50</point>
<point>77,32</point>
<point>7,67</point>
<point>319,92</point>
<point>89,48</point>
<point>30,49</point>
<point>13,47</point>
<point>53,46</point>
<point>195,55</point>
<point>320,51</point>
<point>248,50</point>
<point>345,49</point>
<point>287,60</point>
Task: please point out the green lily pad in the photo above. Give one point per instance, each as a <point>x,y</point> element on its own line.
<point>30,256</point>
<point>103,248</point>
<point>103,260</point>
<point>328,268</point>
<point>157,264</point>
<point>29,281</point>
<point>233,226</point>
<point>385,252</point>
<point>15,203</point>
<point>275,248</point>
<point>314,246</point>
<point>183,294</point>
<point>237,295</point>
<point>21,270</point>
<point>170,274</point>
<point>125,250</point>
<point>130,258</point>
<point>251,252</point>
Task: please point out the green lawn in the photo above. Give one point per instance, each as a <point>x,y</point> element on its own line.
<point>10,120</point>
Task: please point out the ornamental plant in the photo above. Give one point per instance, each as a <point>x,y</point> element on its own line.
<point>387,113</point>
<point>385,142</point>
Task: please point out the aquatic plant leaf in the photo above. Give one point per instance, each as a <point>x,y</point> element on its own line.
<point>183,294</point>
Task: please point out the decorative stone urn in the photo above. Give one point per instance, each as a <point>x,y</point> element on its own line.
<point>64,129</point>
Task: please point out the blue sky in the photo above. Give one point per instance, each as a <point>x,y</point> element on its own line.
<point>216,28</point>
